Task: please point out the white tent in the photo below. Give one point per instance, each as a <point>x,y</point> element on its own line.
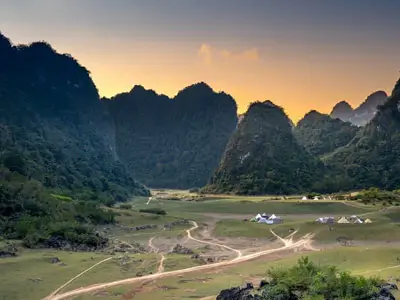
<point>258,216</point>
<point>272,217</point>
<point>262,220</point>
<point>343,220</point>
<point>358,221</point>
<point>316,198</point>
<point>304,198</point>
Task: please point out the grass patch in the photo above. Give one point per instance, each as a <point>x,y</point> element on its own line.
<point>249,207</point>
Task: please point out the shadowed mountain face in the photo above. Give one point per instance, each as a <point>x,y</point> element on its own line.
<point>172,143</point>
<point>54,127</point>
<point>263,156</point>
<point>372,158</point>
<point>321,134</point>
<point>362,114</point>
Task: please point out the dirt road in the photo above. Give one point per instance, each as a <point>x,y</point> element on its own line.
<point>195,226</point>
<point>101,286</point>
<point>76,277</point>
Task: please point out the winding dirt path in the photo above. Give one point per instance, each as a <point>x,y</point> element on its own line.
<point>76,277</point>
<point>96,287</point>
<point>195,226</point>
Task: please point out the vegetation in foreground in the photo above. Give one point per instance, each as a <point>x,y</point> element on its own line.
<point>29,213</point>
<point>307,280</point>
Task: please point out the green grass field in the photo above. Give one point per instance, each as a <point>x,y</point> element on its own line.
<point>31,275</point>
<point>250,207</point>
<point>208,283</point>
<point>381,230</point>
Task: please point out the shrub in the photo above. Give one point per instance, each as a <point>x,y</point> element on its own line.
<point>156,211</point>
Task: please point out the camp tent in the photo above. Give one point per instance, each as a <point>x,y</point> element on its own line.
<point>272,217</point>
<point>262,220</point>
<point>258,216</point>
<point>264,215</point>
<point>343,220</point>
<point>277,220</point>
<point>316,198</point>
<point>253,220</point>
<point>304,198</point>
<point>367,221</point>
<point>358,221</point>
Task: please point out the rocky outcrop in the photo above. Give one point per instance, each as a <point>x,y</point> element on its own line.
<point>179,249</point>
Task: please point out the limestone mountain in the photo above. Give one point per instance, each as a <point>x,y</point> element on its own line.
<point>363,113</point>
<point>172,143</point>
<point>54,128</point>
<point>320,134</point>
<point>372,157</point>
<point>367,110</point>
<point>263,156</point>
<point>342,111</point>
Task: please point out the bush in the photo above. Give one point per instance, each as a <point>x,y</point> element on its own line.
<point>156,211</point>
<point>125,206</point>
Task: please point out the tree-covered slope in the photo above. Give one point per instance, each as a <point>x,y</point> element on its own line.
<point>373,156</point>
<point>263,156</point>
<point>172,143</point>
<point>320,134</point>
<point>54,128</point>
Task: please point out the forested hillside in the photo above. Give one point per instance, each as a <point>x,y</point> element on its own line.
<point>263,156</point>
<point>372,158</point>
<point>172,143</point>
<point>321,134</point>
<point>55,139</point>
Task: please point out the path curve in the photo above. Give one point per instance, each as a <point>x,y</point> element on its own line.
<point>195,226</point>
<point>101,286</point>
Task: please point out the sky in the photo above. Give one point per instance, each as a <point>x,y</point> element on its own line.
<point>300,54</point>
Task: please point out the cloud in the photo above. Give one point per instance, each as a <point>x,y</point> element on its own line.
<point>205,53</point>
<point>209,54</point>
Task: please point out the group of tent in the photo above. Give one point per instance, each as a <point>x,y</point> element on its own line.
<point>264,218</point>
<point>316,198</point>
<point>343,220</point>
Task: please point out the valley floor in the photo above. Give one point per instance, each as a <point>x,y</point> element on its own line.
<point>218,250</point>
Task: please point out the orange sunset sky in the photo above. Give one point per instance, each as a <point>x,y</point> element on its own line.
<point>302,55</point>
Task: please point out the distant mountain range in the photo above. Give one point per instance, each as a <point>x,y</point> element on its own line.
<point>362,114</point>
<point>56,130</point>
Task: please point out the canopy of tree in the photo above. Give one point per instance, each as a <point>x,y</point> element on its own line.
<point>320,134</point>
<point>307,281</point>
<point>54,128</point>
<point>263,156</point>
<point>172,143</point>
<point>30,213</point>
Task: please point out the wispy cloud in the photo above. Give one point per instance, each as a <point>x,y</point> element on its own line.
<point>209,54</point>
